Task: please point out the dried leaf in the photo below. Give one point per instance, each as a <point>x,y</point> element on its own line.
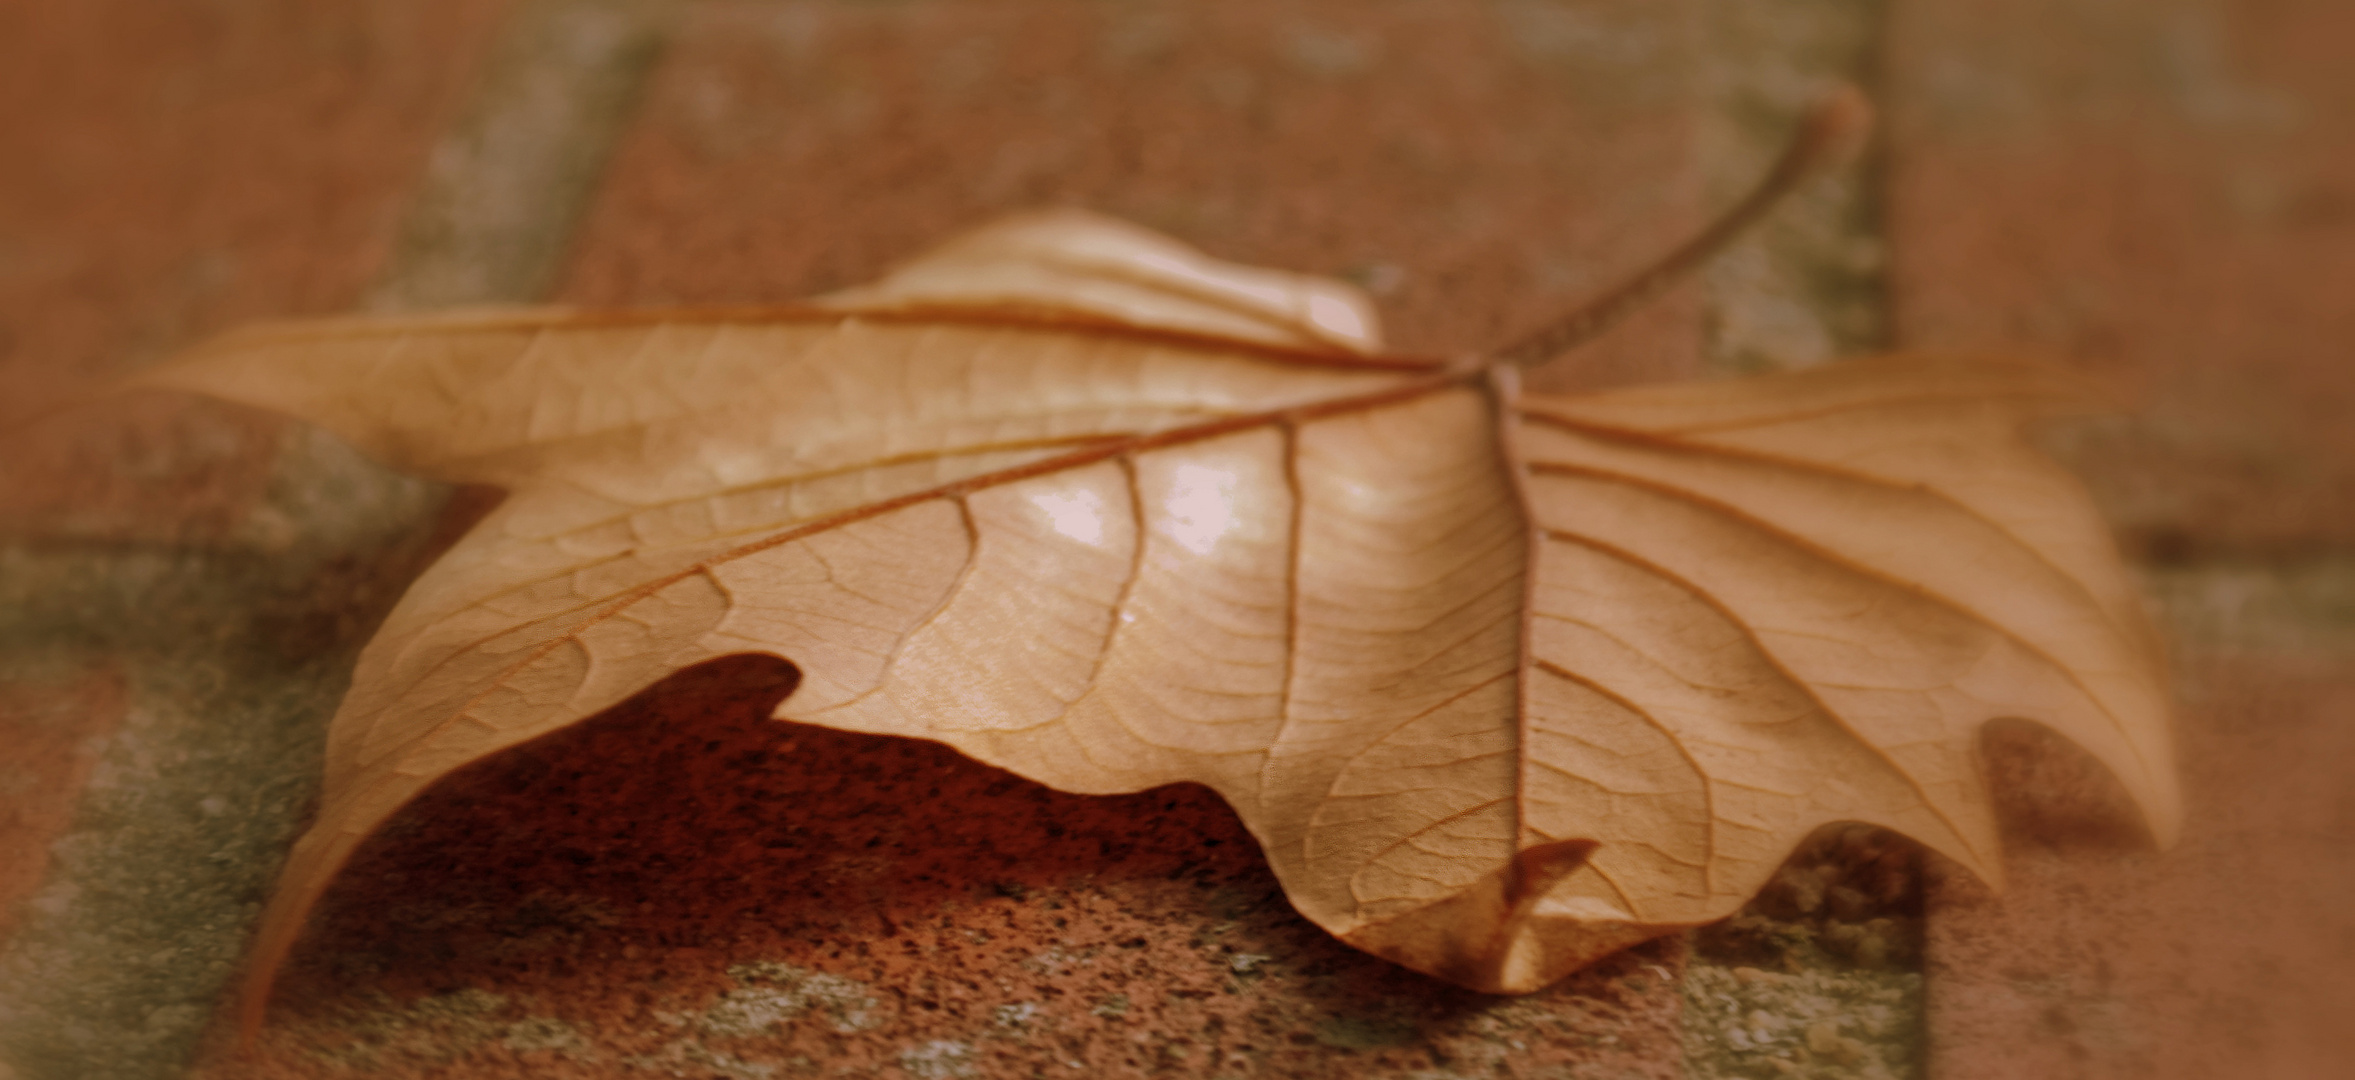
<point>1501,681</point>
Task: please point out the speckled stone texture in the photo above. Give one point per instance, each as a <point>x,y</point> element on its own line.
<point>2165,193</point>
<point>180,584</point>
<point>54,724</point>
<point>174,169</point>
<point>2232,955</point>
<point>685,886</point>
<point>1479,167</point>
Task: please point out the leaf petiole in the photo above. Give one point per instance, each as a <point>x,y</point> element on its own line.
<point>1827,139</point>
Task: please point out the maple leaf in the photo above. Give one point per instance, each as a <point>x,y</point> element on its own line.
<point>1501,681</point>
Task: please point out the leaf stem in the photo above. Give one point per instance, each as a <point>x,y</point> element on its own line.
<point>1827,139</point>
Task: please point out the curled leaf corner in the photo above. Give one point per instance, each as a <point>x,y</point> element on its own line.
<point>1502,682</point>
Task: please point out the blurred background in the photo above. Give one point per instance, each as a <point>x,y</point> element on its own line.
<point>2158,192</point>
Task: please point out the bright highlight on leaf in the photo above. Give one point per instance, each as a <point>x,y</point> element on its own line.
<point>1502,682</point>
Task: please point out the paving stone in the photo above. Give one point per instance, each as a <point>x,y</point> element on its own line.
<point>160,469</point>
<point>682,884</point>
<point>55,720</point>
<point>174,169</point>
<point>1808,285</point>
<point>2162,193</point>
<point>494,216</point>
<point>1480,167</point>
<point>2231,955</point>
<point>232,660</point>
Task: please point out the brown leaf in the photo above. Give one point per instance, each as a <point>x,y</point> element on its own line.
<point>1502,682</point>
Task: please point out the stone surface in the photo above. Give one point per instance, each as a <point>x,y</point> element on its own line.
<point>1820,975</point>
<point>683,885</point>
<point>2159,192</point>
<point>1480,167</point>
<point>230,659</point>
<point>2164,193</point>
<point>2231,955</point>
<point>54,723</point>
<point>1809,284</point>
<point>172,169</point>
<point>494,217</point>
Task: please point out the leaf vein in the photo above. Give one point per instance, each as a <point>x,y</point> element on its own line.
<point>1803,686</point>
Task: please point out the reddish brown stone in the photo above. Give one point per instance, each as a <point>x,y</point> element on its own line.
<point>2231,955</point>
<point>174,169</point>
<point>682,882</point>
<point>2164,193</point>
<point>151,468</point>
<point>1482,168</point>
<point>2158,192</point>
<point>52,731</point>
